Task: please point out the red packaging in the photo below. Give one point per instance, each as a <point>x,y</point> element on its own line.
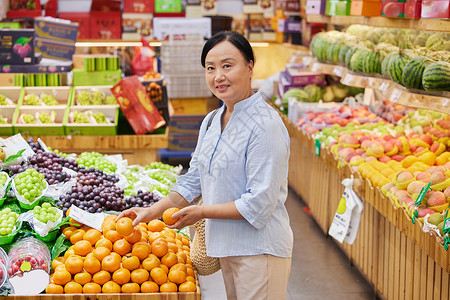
<point>137,107</point>
<point>392,9</point>
<point>436,9</point>
<point>138,6</point>
<point>413,9</point>
<point>106,25</point>
<point>82,18</point>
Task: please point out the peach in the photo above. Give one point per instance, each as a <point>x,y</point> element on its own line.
<point>423,176</point>
<point>437,177</point>
<point>404,176</point>
<point>358,133</point>
<point>349,156</point>
<point>384,159</point>
<point>420,149</point>
<point>409,201</point>
<point>413,186</point>
<point>436,199</point>
<point>387,137</point>
<point>425,211</point>
<point>398,157</point>
<point>435,146</point>
<point>360,151</point>
<point>363,138</point>
<point>413,148</point>
<point>427,139</point>
<point>370,158</point>
<point>356,158</point>
<point>430,169</point>
<point>447,192</point>
<point>447,165</point>
<point>366,144</point>
<point>388,186</point>
<point>441,169</point>
<point>376,149</point>
<point>351,140</point>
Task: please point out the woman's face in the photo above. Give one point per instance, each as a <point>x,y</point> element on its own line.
<point>228,74</point>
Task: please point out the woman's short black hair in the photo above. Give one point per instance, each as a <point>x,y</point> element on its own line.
<point>237,39</point>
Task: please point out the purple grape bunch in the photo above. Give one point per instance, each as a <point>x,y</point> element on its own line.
<point>142,199</point>
<point>22,50</point>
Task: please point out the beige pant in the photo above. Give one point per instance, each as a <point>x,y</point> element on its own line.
<point>255,277</point>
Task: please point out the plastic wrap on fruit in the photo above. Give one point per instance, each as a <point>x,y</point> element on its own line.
<point>4,181</point>
<point>43,219</point>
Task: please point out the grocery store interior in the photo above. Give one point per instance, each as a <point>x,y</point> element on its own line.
<point>101,103</point>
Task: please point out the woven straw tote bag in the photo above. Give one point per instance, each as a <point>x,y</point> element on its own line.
<point>204,264</point>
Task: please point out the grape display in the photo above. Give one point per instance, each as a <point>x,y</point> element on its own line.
<point>31,99</point>
<point>28,119</point>
<point>96,160</point>
<point>100,118</point>
<point>49,100</point>
<point>160,165</point>
<point>45,213</point>
<point>97,98</point>
<point>3,100</point>
<point>161,177</point>
<point>45,118</point>
<point>110,100</point>
<point>7,220</point>
<point>3,120</point>
<point>80,117</point>
<point>3,179</point>
<point>159,188</point>
<point>84,98</point>
<point>142,199</point>
<point>30,184</point>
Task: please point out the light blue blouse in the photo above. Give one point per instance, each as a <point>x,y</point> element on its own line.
<point>246,163</point>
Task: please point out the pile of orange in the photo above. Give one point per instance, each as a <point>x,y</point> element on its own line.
<point>148,258</point>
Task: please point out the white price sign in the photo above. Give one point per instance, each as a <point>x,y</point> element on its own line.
<point>395,95</point>
<point>348,79</point>
<point>338,71</point>
<point>86,218</point>
<point>316,67</point>
<point>384,86</point>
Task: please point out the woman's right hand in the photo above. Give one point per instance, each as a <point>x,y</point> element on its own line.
<point>137,214</point>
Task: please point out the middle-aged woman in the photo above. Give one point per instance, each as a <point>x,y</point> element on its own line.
<point>240,168</point>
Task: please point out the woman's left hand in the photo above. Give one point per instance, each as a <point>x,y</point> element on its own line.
<point>187,216</point>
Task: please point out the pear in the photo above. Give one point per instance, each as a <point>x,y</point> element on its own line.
<point>2,154</point>
<point>440,227</point>
<point>436,219</point>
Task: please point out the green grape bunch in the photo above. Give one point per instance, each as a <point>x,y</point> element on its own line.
<point>97,98</point>
<point>84,98</point>
<point>46,213</point>
<point>49,99</point>
<point>7,220</point>
<point>100,118</point>
<point>3,100</point>
<point>28,119</point>
<point>45,118</point>
<point>161,166</point>
<point>31,99</point>
<point>110,100</point>
<point>3,179</point>
<point>79,117</point>
<point>162,190</point>
<point>3,120</point>
<point>96,160</point>
<point>159,176</point>
<point>30,184</point>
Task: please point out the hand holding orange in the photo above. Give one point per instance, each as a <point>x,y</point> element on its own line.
<point>167,215</point>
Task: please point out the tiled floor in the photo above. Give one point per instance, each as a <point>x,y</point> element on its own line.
<point>319,268</point>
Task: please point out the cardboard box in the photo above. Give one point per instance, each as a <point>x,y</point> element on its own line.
<point>365,8</point>
<point>183,143</point>
<point>138,6</point>
<point>413,9</point>
<point>315,7</point>
<point>168,6</point>
<point>83,20</point>
<point>337,8</point>
<point>106,25</point>
<point>105,89</point>
<point>84,78</point>
<point>292,26</point>
<point>34,68</point>
<point>194,106</point>
<point>436,9</point>
<point>90,62</point>
<point>393,9</point>
<point>300,75</point>
<point>54,49</point>
<point>17,46</point>
<point>56,29</point>
<point>40,129</point>
<point>134,26</point>
<point>16,79</point>
<point>62,94</point>
<point>185,125</point>
<point>135,104</point>
<point>9,111</point>
<point>89,128</point>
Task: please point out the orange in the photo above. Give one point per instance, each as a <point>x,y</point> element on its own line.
<point>181,255</point>
<point>185,240</point>
<point>101,252</point>
<point>54,289</point>
<point>92,236</point>
<point>82,247</point>
<point>124,226</point>
<point>134,237</point>
<point>190,278</point>
<point>113,236</point>
<point>167,215</point>
<point>185,248</point>
<point>168,287</point>
<point>92,265</point>
<point>131,287</point>
<point>108,225</point>
<point>156,225</point>
<point>190,272</point>
<point>115,254</point>
<point>61,267</point>
<point>104,242</point>
<point>139,275</point>
<point>111,288</point>
<point>110,218</point>
<point>110,263</point>
<point>152,236</point>
<point>188,261</point>
<point>168,232</point>
<point>169,239</point>
<point>159,247</point>
<point>74,264</point>
<point>68,231</point>
<point>142,226</point>
<point>173,247</point>
<point>177,276</point>
<point>158,275</point>
<point>92,288</point>
<point>89,255</point>
<point>141,251</point>
<point>149,287</point>
<point>178,236</point>
<point>169,259</point>
<point>165,268</point>
<point>73,288</point>
<point>85,227</point>
<point>82,278</point>
<point>75,223</point>
<point>101,277</point>
<point>61,277</point>
<point>130,262</point>
<point>150,262</point>
<point>187,286</point>
<point>57,261</point>
<point>143,243</point>
<point>181,267</point>
<point>77,235</point>
<point>121,276</point>
<point>179,244</point>
<point>122,247</point>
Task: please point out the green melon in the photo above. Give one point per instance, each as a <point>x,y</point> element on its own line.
<point>413,71</point>
<point>342,53</point>
<point>395,67</point>
<point>314,92</point>
<point>436,77</point>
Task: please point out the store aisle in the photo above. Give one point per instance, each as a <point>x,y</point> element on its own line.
<point>319,268</point>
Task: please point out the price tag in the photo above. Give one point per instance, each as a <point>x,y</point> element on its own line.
<point>395,95</point>
<point>419,200</point>
<point>338,71</point>
<point>317,147</point>
<point>364,82</point>
<point>86,218</point>
<point>316,67</point>
<point>348,79</point>
<point>384,86</point>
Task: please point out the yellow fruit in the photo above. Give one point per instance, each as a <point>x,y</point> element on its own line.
<point>428,158</point>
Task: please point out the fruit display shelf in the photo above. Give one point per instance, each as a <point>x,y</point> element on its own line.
<point>395,256</point>
<point>421,24</point>
<point>391,90</point>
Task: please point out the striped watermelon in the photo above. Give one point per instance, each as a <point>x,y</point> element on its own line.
<point>436,77</point>
<point>385,65</point>
<point>342,53</point>
<point>348,56</point>
<point>395,67</point>
<point>333,52</point>
<point>413,71</point>
<point>356,63</point>
<point>372,63</point>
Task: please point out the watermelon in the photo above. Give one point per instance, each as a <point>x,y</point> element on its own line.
<point>395,67</point>
<point>435,40</point>
<point>421,39</point>
<point>314,92</point>
<point>298,94</point>
<point>385,64</point>
<point>342,53</point>
<point>372,62</point>
<point>439,55</point>
<point>348,56</point>
<point>357,60</point>
<point>333,52</point>
<point>413,71</point>
<point>436,76</point>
